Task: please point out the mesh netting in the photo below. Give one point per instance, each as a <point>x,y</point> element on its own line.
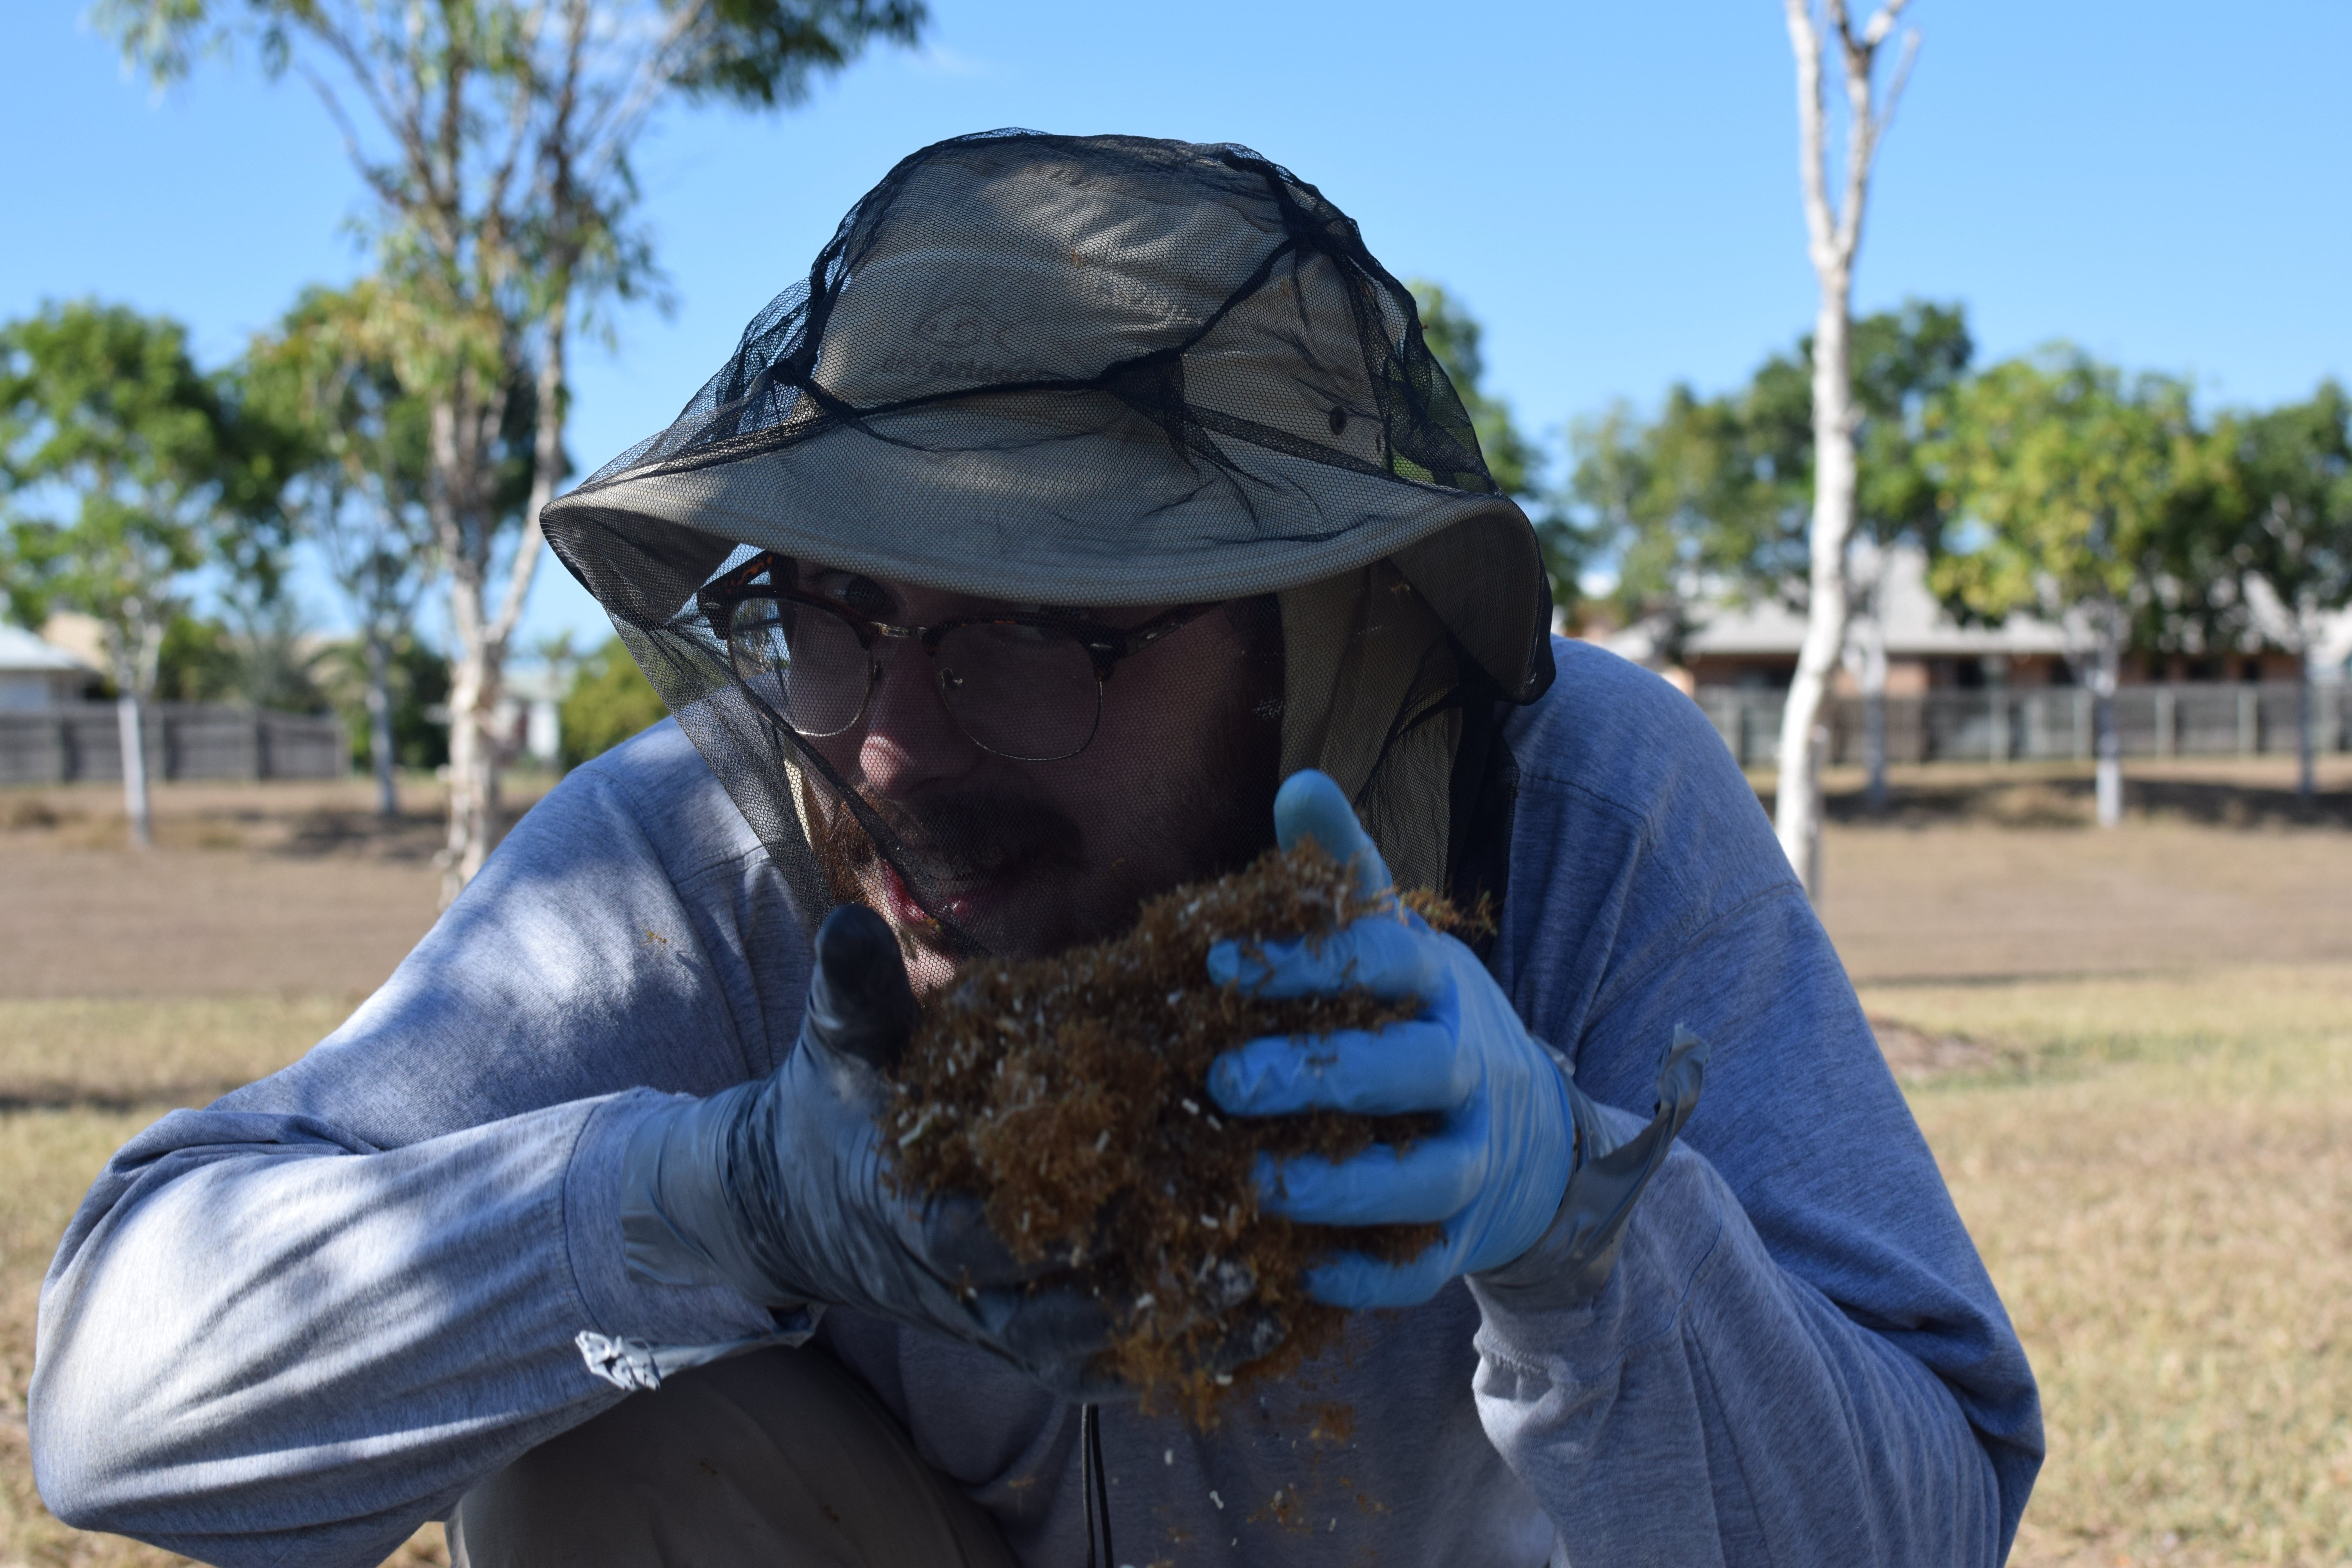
<point>1075,380</point>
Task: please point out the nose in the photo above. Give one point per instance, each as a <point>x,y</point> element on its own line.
<point>911,739</point>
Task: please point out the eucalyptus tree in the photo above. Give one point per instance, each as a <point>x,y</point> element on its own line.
<point>1713,500</point>
<point>357,490</point>
<point>495,140</point>
<point>1457,339</point>
<point>1904,361</point>
<point>2067,492</point>
<point>122,469</point>
<point>1654,494</point>
<point>1513,458</point>
<point>1832,239</point>
<point>2288,551</point>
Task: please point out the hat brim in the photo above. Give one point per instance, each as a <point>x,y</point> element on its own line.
<point>1062,506</point>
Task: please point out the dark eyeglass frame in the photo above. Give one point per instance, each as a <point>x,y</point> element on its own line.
<point>1105,645</point>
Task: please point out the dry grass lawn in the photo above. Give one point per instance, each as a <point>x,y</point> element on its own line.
<point>2158,1171</point>
<point>2132,1052</point>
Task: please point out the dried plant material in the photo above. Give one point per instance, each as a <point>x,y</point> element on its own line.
<point>1071,1094</point>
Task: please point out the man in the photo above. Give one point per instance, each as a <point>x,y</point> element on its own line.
<point>1088,490</point>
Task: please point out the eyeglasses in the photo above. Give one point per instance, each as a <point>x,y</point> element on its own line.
<point>1024,687</point>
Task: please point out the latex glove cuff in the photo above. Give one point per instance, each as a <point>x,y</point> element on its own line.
<point>1570,1262</point>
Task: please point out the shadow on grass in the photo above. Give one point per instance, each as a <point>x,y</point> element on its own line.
<point>2045,802</point>
<point>74,1097</point>
<point>411,837</point>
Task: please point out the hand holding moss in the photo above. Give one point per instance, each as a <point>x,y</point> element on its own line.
<point>1494,1172</point>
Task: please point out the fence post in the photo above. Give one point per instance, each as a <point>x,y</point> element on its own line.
<point>2247,735</point>
<point>1997,725</point>
<point>2081,722</point>
<point>2164,743</point>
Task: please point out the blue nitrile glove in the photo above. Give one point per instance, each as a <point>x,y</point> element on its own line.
<point>1497,1172</point>
<point>777,1187</point>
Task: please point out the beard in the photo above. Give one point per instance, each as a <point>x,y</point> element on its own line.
<point>1006,871</point>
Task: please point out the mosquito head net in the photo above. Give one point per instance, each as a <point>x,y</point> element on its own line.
<point>1085,486</point>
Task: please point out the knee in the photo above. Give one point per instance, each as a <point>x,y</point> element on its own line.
<point>780,1456</point>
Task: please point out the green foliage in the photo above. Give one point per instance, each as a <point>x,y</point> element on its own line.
<point>1715,495</point>
<point>121,468</point>
<point>1904,361</point>
<point>325,384</point>
<point>197,662</point>
<point>760,53</point>
<point>2289,524</point>
<point>358,450</point>
<point>276,658</point>
<point>271,665</point>
<point>610,701</point>
<point>418,678</point>
<point>502,178</point>
<point>1453,335</point>
<point>1514,461</point>
<point>2068,487</point>
<point>496,140</point>
<point>752,52</point>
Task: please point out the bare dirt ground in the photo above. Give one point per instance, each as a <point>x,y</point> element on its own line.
<point>287,889</point>
<point>2129,1051</point>
<point>1952,900</point>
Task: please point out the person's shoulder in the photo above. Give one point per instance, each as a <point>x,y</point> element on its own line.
<point>658,758</point>
<point>660,785</point>
<point>1619,736</point>
<point>1633,835</point>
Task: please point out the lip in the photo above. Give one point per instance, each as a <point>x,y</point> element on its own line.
<point>963,902</point>
<point>904,910</point>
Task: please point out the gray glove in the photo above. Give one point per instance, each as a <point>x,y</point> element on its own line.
<point>777,1188</point>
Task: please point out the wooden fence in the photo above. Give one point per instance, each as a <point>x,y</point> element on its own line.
<point>78,741</point>
<point>2009,724</point>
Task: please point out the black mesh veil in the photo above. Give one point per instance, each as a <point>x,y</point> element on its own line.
<point>1094,371</point>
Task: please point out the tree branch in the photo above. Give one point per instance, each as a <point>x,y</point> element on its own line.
<point>1896,83</point>
<point>1805,41</point>
<point>652,72</point>
<point>1875,32</point>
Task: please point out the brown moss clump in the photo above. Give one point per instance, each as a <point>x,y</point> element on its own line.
<point>1071,1095</point>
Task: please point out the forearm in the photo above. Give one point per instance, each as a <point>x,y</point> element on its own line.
<point>263,1342</point>
<point>1707,1407</point>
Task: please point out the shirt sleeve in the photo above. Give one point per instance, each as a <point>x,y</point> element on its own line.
<point>1799,1357</point>
<point>292,1326</point>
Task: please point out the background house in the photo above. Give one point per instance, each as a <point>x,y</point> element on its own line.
<point>1957,692</point>
<point>1753,647</point>
<point>35,674</point>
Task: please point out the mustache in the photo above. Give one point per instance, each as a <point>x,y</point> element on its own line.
<point>960,838</point>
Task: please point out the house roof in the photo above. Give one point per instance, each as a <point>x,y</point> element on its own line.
<point>21,653</point>
<point>1916,624</point>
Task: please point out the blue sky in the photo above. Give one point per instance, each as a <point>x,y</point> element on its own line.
<point>1612,189</point>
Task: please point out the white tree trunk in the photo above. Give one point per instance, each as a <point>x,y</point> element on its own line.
<point>1797,804</point>
<point>134,646</point>
<point>379,706</point>
<point>2106,673</point>
<point>2307,779</point>
<point>1870,676</point>
<point>131,725</point>
<point>1833,235</point>
<point>479,674</point>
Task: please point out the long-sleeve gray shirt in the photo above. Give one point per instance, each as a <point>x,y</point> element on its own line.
<point>291,1327</point>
